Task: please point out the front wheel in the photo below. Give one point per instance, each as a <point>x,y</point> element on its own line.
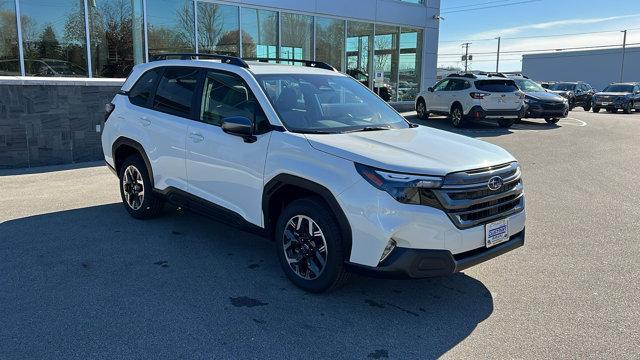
<point>627,108</point>
<point>506,123</point>
<point>596,109</point>
<point>309,246</point>
<point>136,190</point>
<point>587,108</point>
<point>552,121</point>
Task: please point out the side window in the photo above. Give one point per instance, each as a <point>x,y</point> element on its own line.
<point>453,85</point>
<point>141,92</point>
<point>175,91</point>
<point>226,95</point>
<point>441,85</point>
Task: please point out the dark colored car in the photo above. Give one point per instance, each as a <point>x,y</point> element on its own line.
<point>383,91</point>
<point>545,84</point>
<point>578,93</point>
<point>541,103</point>
<point>625,96</point>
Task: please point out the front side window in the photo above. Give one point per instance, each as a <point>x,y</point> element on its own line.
<point>499,86</point>
<point>327,104</point>
<point>175,91</point>
<point>141,92</point>
<point>225,95</point>
<point>441,85</point>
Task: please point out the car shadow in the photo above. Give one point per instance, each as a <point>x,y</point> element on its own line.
<point>93,282</point>
<point>483,128</point>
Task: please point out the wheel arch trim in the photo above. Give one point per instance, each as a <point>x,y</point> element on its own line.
<point>125,141</point>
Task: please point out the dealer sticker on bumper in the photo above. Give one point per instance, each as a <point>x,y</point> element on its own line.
<point>496,232</point>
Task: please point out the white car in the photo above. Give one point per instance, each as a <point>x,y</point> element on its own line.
<point>317,162</point>
<point>465,97</point>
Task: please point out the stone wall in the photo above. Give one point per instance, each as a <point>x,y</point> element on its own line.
<point>52,121</point>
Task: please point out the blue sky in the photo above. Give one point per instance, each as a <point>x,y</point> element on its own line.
<point>527,18</point>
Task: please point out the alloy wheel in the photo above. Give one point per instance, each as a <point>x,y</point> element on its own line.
<point>305,247</point>
<point>421,109</point>
<point>456,116</point>
<point>133,187</point>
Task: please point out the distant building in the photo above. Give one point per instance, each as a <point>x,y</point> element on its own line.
<point>595,67</point>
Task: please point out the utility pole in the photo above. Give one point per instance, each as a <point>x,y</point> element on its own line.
<point>466,56</point>
<point>624,48</point>
<point>498,56</point>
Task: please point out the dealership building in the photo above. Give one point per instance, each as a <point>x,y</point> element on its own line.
<point>65,58</point>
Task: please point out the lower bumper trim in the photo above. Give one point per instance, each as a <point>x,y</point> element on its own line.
<point>405,263</point>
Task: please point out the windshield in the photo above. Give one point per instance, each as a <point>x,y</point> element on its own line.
<point>527,85</point>
<point>619,88</point>
<point>562,87</point>
<point>327,104</point>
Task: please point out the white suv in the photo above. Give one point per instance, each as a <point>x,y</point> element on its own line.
<point>314,160</point>
<point>468,96</point>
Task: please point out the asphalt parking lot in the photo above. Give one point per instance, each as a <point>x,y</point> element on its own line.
<point>81,279</point>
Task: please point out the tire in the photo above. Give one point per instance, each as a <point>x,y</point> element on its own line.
<point>552,121</point>
<point>587,108</point>
<point>627,108</point>
<point>315,278</point>
<point>612,111</point>
<point>421,109</point>
<point>136,189</point>
<point>506,123</point>
<point>572,104</point>
<point>456,116</point>
<point>596,109</point>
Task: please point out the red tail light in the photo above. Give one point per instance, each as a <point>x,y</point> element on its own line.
<point>479,95</point>
<point>108,109</point>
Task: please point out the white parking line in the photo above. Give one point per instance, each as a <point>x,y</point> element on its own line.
<point>580,122</point>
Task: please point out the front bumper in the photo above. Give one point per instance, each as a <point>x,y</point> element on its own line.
<point>405,263</point>
<point>611,104</point>
<point>547,110</point>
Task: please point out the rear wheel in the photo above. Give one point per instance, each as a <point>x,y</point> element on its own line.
<point>421,109</point>
<point>552,120</point>
<point>506,123</point>
<point>596,109</point>
<point>309,245</point>
<point>456,116</point>
<point>136,190</point>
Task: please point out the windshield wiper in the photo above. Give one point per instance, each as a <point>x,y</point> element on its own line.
<point>369,128</point>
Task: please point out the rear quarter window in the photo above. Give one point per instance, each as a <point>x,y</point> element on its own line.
<point>500,86</point>
<point>141,92</point>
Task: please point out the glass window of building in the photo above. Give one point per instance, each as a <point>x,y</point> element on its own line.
<point>330,41</point>
<point>117,36</point>
<point>259,33</point>
<point>297,36</point>
<point>9,57</point>
<point>385,59</point>
<point>170,26</point>
<point>53,38</point>
<point>410,63</point>
<point>359,43</point>
<point>218,30</point>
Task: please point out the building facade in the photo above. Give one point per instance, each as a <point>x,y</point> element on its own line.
<point>598,68</point>
<point>106,38</point>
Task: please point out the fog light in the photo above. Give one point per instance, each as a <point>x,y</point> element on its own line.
<point>388,249</point>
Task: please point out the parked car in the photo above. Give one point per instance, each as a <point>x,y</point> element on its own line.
<point>546,84</point>
<point>579,94</point>
<point>616,96</point>
<point>468,96</point>
<point>314,160</point>
<point>541,103</point>
<point>385,91</point>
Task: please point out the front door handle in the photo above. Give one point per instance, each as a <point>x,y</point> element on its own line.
<point>196,137</point>
<point>144,121</point>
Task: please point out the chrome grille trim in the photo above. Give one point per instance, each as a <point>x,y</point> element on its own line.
<point>468,201</point>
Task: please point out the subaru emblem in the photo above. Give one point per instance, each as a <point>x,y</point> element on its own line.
<point>495,183</point>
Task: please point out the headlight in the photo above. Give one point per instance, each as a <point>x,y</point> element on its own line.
<point>405,188</point>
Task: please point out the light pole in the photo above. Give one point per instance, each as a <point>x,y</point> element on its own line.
<point>624,48</point>
<point>498,56</point>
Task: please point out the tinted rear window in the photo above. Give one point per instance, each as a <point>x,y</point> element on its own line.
<point>501,86</point>
<point>141,91</point>
<point>175,91</point>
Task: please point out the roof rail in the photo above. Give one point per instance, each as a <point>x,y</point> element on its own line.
<point>308,63</point>
<point>232,60</point>
<point>466,75</point>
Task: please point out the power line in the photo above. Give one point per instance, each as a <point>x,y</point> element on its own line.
<point>541,36</point>
<point>476,5</point>
<point>490,7</point>
<point>544,50</point>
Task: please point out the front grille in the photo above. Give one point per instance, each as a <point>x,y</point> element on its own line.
<point>468,201</point>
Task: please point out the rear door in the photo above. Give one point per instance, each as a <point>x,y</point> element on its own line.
<point>504,94</point>
<point>223,168</point>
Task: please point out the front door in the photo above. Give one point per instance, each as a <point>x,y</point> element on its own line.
<point>223,168</point>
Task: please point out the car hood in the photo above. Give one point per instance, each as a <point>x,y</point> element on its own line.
<point>545,96</point>
<point>560,91</point>
<point>613,93</point>
<point>419,150</point>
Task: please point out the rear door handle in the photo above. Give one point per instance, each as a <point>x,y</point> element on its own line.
<point>144,121</point>
<point>196,137</point>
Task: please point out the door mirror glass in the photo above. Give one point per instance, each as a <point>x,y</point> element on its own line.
<point>239,126</point>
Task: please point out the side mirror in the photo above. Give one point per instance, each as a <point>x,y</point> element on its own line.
<point>430,89</point>
<point>239,126</point>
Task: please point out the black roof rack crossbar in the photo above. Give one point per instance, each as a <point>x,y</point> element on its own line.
<point>466,75</point>
<point>308,63</point>
<point>232,60</point>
